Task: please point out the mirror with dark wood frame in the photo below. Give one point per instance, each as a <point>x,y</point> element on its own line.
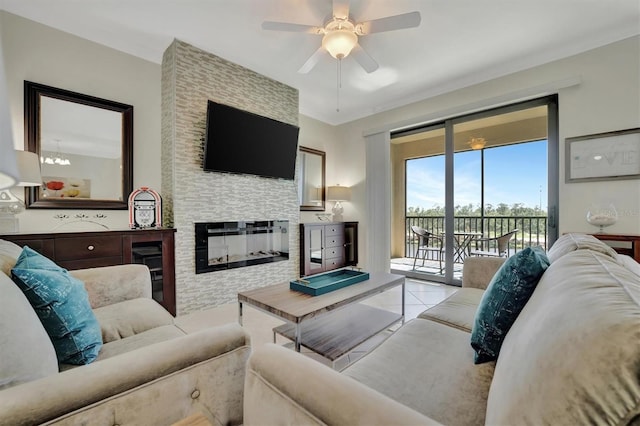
<point>85,146</point>
<point>311,183</point>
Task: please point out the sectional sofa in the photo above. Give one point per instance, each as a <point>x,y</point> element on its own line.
<point>571,357</point>
<point>149,371</point>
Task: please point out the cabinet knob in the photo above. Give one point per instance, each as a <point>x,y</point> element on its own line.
<point>90,248</point>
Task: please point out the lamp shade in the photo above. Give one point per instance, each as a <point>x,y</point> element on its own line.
<point>338,193</point>
<point>28,169</point>
<point>8,172</point>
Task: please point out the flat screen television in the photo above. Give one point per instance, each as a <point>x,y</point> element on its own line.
<point>238,141</point>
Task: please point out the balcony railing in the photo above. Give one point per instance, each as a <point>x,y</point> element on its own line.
<point>532,230</point>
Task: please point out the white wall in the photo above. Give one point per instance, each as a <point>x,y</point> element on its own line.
<point>321,136</point>
<point>606,99</point>
<point>41,54</point>
<point>345,165</point>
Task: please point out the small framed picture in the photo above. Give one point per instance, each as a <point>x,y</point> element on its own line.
<point>603,156</point>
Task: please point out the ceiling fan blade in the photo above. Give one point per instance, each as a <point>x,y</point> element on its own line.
<point>341,9</point>
<point>390,23</point>
<point>312,61</point>
<point>286,26</point>
<point>364,59</point>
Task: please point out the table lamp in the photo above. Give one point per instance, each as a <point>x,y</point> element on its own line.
<point>28,164</point>
<point>338,194</point>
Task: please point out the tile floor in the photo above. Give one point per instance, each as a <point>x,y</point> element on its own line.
<point>402,265</point>
<point>419,295</point>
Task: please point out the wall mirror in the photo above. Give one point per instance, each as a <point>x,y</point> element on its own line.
<point>311,186</point>
<point>85,146</point>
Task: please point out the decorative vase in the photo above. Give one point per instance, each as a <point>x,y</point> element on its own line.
<point>602,216</point>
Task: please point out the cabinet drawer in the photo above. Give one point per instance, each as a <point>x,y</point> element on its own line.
<point>87,248</point>
<point>334,230</point>
<point>42,246</point>
<point>331,252</point>
<point>336,262</point>
<point>90,263</point>
<point>334,241</point>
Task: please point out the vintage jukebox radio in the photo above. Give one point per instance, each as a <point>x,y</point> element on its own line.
<point>145,209</point>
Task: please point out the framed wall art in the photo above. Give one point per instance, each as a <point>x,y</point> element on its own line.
<point>603,156</point>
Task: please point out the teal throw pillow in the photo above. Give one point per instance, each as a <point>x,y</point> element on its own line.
<point>505,296</point>
<point>62,304</point>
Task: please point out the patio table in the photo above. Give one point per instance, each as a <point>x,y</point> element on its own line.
<point>462,241</point>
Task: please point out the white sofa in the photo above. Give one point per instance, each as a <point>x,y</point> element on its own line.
<point>571,357</point>
<point>149,370</point>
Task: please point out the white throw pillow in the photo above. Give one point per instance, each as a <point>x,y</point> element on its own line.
<point>571,242</point>
<point>26,352</point>
<point>9,253</point>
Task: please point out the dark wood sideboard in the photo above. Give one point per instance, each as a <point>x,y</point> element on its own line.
<point>79,250</point>
<point>634,251</point>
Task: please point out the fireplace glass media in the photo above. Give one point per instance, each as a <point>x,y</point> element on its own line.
<point>227,245</point>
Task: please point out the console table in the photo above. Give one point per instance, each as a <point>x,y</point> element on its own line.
<point>79,250</point>
<point>634,251</point>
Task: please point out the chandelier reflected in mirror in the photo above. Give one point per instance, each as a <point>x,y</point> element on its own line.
<point>57,158</point>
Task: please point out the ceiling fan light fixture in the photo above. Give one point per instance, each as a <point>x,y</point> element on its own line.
<point>340,42</point>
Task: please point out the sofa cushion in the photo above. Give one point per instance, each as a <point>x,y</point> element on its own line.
<point>146,338</point>
<point>506,295</point>
<point>429,367</point>
<point>125,319</point>
<point>571,242</point>
<point>9,253</point>
<point>26,352</point>
<point>477,271</point>
<point>457,310</point>
<point>629,263</point>
<point>62,304</point>
<point>572,356</point>
<point>107,285</point>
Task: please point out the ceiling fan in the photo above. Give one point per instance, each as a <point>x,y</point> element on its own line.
<point>340,34</point>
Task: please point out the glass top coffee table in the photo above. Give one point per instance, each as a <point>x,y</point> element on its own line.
<point>331,324</point>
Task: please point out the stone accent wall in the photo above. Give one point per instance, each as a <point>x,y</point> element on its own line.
<point>191,77</point>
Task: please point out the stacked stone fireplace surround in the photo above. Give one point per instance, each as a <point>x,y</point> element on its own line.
<point>191,77</point>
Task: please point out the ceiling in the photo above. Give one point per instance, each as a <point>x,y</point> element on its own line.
<point>458,43</point>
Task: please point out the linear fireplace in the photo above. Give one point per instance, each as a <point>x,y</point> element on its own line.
<point>227,245</point>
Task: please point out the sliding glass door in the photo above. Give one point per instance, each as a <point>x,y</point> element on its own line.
<point>470,180</point>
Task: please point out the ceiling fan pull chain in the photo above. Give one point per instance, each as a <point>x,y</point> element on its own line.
<point>339,80</point>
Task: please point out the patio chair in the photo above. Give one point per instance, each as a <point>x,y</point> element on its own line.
<point>427,242</point>
<point>501,245</point>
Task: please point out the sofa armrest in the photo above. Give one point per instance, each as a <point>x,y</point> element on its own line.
<point>478,271</point>
<point>285,387</point>
<point>137,377</point>
<point>112,284</point>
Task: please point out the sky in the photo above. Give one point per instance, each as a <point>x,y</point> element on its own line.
<point>513,174</point>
